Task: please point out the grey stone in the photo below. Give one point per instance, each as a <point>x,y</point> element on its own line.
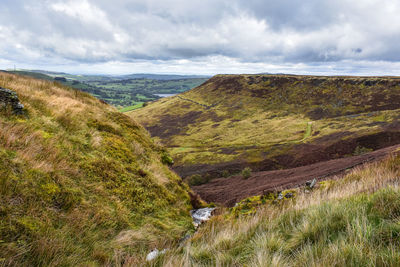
<point>289,195</point>
<point>311,184</point>
<point>9,99</point>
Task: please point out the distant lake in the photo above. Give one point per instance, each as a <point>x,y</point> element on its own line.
<point>165,95</point>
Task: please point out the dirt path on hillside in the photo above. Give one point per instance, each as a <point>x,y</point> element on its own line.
<point>228,191</point>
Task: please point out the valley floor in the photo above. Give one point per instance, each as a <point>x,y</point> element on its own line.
<point>228,191</point>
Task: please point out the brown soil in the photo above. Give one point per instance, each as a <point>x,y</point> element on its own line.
<point>228,191</point>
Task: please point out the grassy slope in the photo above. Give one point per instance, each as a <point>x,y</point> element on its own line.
<point>258,117</point>
<point>348,222</point>
<point>80,183</point>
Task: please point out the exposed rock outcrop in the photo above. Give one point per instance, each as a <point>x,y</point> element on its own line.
<point>9,99</point>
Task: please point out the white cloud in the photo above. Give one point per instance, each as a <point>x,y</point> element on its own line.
<point>84,11</point>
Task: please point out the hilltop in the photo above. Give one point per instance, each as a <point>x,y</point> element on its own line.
<point>80,183</point>
<point>272,122</point>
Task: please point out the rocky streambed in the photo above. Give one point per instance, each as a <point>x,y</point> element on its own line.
<point>199,216</point>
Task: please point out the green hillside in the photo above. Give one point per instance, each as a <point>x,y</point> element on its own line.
<point>274,121</point>
<point>80,183</point>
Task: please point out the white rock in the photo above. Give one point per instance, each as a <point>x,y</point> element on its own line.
<point>154,254</point>
<point>201,215</point>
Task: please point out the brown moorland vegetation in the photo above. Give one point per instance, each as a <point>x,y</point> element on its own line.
<point>268,122</point>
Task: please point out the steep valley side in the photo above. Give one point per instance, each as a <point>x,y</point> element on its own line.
<point>80,183</point>
<point>269,122</point>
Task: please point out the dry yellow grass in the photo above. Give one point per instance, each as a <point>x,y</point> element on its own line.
<point>352,221</point>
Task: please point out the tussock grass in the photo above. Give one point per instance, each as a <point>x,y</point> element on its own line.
<point>80,183</point>
<point>352,221</point>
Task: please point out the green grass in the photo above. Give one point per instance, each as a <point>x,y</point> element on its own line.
<point>81,184</point>
<point>307,132</point>
<point>130,108</point>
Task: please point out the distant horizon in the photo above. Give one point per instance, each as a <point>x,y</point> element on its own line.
<point>196,74</point>
<point>105,74</point>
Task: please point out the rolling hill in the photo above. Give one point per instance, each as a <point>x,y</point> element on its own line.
<point>80,183</point>
<point>269,122</point>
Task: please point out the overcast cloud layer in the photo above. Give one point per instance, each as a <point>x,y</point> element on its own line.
<point>204,37</point>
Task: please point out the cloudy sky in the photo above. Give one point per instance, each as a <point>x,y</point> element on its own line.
<point>202,36</point>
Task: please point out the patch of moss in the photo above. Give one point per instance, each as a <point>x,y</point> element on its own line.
<point>250,205</point>
<point>166,159</point>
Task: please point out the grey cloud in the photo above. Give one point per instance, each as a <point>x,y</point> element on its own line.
<point>298,14</point>
<point>252,31</point>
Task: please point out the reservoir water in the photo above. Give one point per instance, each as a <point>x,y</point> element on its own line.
<point>165,95</point>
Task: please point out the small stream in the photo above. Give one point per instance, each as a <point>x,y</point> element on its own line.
<point>199,216</point>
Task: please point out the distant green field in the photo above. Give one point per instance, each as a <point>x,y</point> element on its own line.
<point>130,108</point>
<point>122,91</point>
<point>151,86</point>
